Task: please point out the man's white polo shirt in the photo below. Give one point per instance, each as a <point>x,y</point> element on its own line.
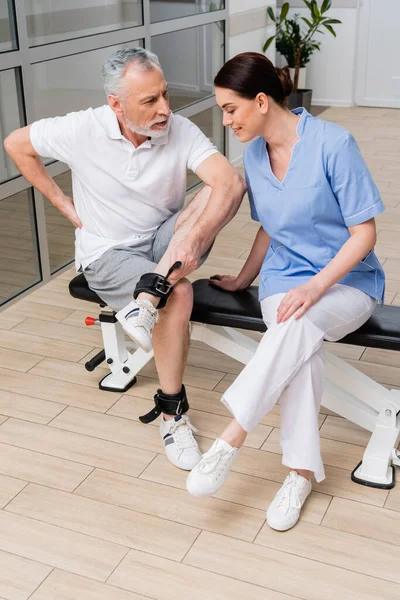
<point>122,194</point>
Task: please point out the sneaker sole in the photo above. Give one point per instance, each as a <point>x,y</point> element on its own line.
<point>285,527</point>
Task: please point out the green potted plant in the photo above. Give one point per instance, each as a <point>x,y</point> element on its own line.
<point>295,41</point>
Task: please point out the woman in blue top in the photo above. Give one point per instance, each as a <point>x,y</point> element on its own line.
<point>315,200</point>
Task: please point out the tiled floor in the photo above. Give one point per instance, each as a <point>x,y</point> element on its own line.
<point>91,508</point>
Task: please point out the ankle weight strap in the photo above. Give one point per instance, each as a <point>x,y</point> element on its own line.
<point>156,285</point>
<point>170,404</point>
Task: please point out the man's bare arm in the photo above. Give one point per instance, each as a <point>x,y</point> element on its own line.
<point>228,189</point>
<point>19,147</point>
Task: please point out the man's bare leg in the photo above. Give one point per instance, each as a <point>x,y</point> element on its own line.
<point>171,337</point>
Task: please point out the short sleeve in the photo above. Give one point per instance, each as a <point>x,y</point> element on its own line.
<point>58,137</point>
<point>352,183</point>
<point>253,210</point>
<point>200,148</point>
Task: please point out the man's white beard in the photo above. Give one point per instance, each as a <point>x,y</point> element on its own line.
<point>148,131</point>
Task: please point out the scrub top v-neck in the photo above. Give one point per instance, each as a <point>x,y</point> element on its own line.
<point>326,189</point>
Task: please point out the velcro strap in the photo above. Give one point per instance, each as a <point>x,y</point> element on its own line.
<point>170,404</point>
<point>156,285</point>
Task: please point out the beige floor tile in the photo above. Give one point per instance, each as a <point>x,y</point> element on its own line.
<point>336,548</point>
<point>381,373</point>
<point>166,580</point>
<point>59,331</point>
<point>20,577</point>
<point>28,408</point>
<point>344,350</point>
<point>365,521</point>
<point>193,376</point>
<point>396,300</point>
<point>76,447</point>
<point>7,321</point>
<point>393,501</point>
<point>58,547</point>
<point>72,372</point>
<point>334,453</point>
<point>41,468</point>
<point>338,483</point>
<point>108,427</point>
<point>9,487</point>
<point>18,361</point>
<point>238,488</point>
<point>62,392</point>
<point>382,357</point>
<point>36,344</point>
<point>342,430</point>
<point>392,286</point>
<point>110,523</point>
<point>264,566</point>
<point>208,425</point>
<point>173,504</point>
<point>50,298</point>
<point>60,585</point>
<point>77,317</point>
<point>207,359</point>
<point>24,308</point>
<point>392,270</point>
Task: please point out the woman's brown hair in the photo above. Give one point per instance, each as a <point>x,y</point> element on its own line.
<point>250,73</point>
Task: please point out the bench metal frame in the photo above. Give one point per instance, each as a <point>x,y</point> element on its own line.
<point>348,392</point>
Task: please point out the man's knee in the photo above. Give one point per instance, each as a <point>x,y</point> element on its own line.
<point>181,298</point>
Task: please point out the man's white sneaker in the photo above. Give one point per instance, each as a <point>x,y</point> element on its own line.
<point>180,445</point>
<point>208,476</point>
<point>137,319</point>
<point>284,510</point>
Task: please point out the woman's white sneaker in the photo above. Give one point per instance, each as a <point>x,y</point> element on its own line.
<point>180,445</point>
<point>284,510</point>
<point>210,473</point>
<point>137,319</point>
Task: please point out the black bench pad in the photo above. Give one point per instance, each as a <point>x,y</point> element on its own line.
<point>217,307</point>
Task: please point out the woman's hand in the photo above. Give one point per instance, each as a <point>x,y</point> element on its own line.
<point>226,282</point>
<point>298,300</point>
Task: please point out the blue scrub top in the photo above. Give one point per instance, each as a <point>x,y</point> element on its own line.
<point>326,189</point>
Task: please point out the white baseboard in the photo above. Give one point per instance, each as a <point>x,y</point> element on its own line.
<point>380,103</point>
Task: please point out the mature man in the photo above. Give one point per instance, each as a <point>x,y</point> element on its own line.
<point>128,161</point>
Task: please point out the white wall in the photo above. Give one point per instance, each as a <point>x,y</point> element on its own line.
<point>250,41</point>
<point>330,72</point>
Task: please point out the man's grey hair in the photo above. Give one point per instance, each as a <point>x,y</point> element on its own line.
<point>114,67</point>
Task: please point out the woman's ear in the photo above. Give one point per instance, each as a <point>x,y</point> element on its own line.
<point>262,101</point>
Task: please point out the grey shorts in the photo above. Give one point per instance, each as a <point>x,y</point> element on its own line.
<point>115,274</point>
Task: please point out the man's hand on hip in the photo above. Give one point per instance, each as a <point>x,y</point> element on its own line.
<point>67,208</point>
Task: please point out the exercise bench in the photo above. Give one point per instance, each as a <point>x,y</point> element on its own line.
<point>217,315</point>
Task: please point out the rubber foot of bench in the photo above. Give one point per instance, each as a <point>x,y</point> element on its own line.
<point>106,388</point>
<point>373,484</point>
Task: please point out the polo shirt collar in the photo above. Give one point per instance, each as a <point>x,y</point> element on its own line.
<point>114,131</point>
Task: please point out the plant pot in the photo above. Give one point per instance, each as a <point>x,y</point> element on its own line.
<point>302,77</point>
<point>300,98</point>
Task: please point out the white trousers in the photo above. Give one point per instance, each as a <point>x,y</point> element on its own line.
<point>289,365</point>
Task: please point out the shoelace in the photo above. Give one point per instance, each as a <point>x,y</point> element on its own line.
<point>210,460</point>
<point>183,430</point>
<point>148,315</point>
<point>288,495</point>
